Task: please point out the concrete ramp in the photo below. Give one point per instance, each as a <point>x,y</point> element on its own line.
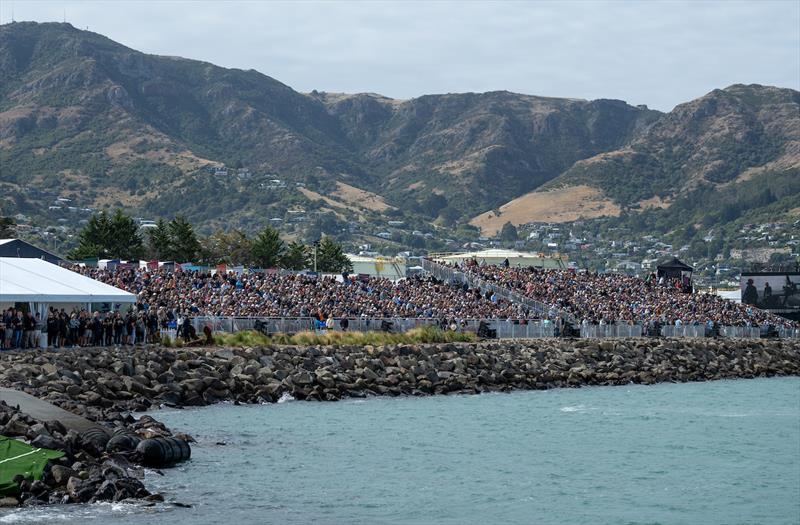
<point>45,411</point>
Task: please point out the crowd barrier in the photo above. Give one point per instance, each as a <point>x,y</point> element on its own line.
<point>611,330</point>
<point>788,333</point>
<point>505,329</point>
<point>741,332</point>
<point>684,331</point>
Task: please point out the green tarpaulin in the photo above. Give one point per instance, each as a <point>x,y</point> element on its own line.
<point>18,458</point>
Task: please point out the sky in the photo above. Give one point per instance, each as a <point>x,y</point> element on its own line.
<point>660,53</point>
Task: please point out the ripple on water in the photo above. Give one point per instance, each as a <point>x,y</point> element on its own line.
<point>673,455</point>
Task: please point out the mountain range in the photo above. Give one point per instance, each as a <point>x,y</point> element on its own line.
<point>87,119</point>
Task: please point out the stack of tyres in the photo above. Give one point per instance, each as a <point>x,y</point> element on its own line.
<point>163,452</point>
<point>123,440</point>
<point>94,440</point>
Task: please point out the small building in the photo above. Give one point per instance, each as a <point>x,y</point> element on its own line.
<point>23,249</point>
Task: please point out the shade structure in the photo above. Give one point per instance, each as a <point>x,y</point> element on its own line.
<point>35,280</point>
<point>24,249</point>
<point>674,269</point>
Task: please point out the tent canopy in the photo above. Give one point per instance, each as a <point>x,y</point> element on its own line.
<point>35,280</point>
<point>20,248</point>
<point>673,269</point>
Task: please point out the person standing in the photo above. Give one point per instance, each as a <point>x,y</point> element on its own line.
<point>37,330</point>
<point>28,326</point>
<point>16,324</point>
<point>750,294</point>
<point>52,328</point>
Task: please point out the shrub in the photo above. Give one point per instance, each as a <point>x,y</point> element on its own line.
<point>428,334</point>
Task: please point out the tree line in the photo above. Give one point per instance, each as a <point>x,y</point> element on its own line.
<point>117,236</point>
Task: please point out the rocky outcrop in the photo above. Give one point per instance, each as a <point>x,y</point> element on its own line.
<point>106,384</point>
<point>87,473</point>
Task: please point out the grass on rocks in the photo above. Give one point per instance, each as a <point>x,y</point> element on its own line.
<point>427,334</point>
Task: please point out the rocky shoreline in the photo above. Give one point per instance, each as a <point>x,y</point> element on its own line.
<point>106,385</point>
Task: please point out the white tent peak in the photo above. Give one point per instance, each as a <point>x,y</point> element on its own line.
<point>35,280</point>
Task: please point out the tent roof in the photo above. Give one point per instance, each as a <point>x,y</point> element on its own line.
<point>35,280</point>
<point>676,265</point>
<point>29,250</point>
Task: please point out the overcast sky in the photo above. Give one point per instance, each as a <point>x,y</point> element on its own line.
<point>658,53</point>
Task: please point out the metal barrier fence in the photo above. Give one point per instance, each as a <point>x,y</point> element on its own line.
<point>611,330</point>
<point>683,331</point>
<point>742,332</point>
<point>506,329</point>
<point>789,333</point>
<point>516,329</point>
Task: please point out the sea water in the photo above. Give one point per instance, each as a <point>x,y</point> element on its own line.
<point>725,452</point>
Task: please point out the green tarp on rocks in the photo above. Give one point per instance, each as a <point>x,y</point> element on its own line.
<point>18,458</point>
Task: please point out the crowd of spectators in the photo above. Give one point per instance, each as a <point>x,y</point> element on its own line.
<point>203,293</point>
<point>169,299</point>
<point>610,298</point>
<point>79,327</point>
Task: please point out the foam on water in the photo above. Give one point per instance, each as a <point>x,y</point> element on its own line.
<point>285,398</point>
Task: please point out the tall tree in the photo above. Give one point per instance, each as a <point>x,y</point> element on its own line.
<point>109,237</point>
<point>158,241</point>
<point>267,248</point>
<point>295,257</point>
<point>184,246</point>
<point>93,238</point>
<point>8,228</point>
<point>125,241</point>
<point>232,247</point>
<point>509,232</point>
<point>331,257</point>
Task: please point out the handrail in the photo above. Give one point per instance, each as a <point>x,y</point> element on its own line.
<point>445,273</point>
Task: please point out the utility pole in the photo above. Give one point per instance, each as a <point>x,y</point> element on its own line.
<point>316,245</point>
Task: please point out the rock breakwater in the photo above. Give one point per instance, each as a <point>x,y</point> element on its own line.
<point>106,384</point>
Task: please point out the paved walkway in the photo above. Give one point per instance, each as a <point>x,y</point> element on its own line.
<point>44,411</point>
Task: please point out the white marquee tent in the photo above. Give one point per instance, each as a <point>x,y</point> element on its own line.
<point>42,284</point>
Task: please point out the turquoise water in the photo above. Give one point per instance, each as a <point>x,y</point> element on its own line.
<point>724,452</point>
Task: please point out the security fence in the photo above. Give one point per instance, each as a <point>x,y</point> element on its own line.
<point>611,330</point>
<point>504,329</point>
<point>742,332</point>
<point>788,333</point>
<point>684,331</point>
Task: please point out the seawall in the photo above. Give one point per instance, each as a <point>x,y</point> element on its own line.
<point>103,383</point>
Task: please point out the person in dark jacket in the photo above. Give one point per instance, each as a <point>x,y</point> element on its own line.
<point>750,294</point>
<point>28,326</point>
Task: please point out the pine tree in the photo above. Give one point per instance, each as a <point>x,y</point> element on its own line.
<point>184,246</point>
<point>109,237</point>
<point>296,257</point>
<point>509,232</point>
<point>125,241</point>
<point>331,257</point>
<point>267,248</point>
<point>158,241</point>
<point>93,239</point>
<point>7,228</point>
